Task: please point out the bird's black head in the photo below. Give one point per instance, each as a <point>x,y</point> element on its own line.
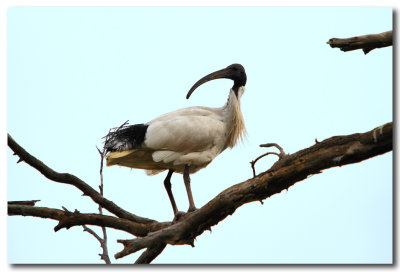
<point>235,72</point>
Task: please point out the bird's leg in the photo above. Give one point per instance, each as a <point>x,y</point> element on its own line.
<point>167,185</point>
<point>186,179</point>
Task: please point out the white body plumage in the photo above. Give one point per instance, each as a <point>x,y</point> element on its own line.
<point>192,136</point>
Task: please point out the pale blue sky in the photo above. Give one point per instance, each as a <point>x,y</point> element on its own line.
<point>75,72</point>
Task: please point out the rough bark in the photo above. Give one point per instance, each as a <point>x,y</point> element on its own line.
<point>67,219</point>
<point>335,151</point>
<point>365,42</point>
<point>154,236</point>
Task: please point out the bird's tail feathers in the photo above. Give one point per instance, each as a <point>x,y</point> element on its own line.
<point>125,137</point>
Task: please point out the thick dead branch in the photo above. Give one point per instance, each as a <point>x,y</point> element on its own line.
<point>335,151</point>
<point>69,219</point>
<point>75,181</point>
<point>23,202</point>
<point>366,42</point>
<point>154,236</point>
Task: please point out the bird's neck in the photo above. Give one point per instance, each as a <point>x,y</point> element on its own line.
<point>234,119</point>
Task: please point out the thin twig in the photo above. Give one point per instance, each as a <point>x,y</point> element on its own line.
<point>98,238</point>
<point>281,151</point>
<point>280,155</point>
<point>104,256</point>
<point>254,162</point>
<point>103,241</point>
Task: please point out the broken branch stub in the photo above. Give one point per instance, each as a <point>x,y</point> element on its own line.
<point>365,42</point>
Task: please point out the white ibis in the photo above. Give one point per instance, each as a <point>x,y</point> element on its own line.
<point>182,141</point>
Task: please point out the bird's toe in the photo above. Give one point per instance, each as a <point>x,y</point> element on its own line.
<point>192,209</point>
<point>178,216</point>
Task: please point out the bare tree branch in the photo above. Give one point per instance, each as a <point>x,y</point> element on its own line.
<point>103,241</point>
<point>75,181</point>
<point>69,219</point>
<point>154,236</point>
<point>103,244</point>
<point>23,202</point>
<point>281,154</point>
<point>150,254</point>
<point>335,151</point>
<point>93,233</point>
<point>365,42</point>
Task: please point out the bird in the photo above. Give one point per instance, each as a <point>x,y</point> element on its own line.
<point>182,141</point>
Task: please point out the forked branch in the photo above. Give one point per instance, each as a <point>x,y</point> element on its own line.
<point>75,181</point>
<point>154,236</point>
<point>280,155</point>
<point>335,151</point>
<point>67,219</point>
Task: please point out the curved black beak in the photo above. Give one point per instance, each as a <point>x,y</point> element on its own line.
<point>235,72</point>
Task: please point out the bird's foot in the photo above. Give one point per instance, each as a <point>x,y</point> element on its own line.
<point>178,216</point>
<point>192,209</point>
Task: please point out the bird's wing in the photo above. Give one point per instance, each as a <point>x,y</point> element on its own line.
<point>185,131</point>
<point>193,136</point>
